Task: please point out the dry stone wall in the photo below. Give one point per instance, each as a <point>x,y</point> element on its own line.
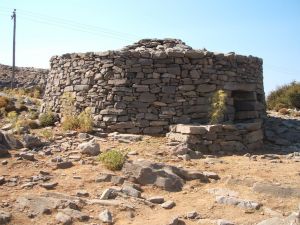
<point>145,87</point>
<point>229,138</point>
<point>25,77</point>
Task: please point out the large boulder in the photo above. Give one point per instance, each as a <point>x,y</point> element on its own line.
<point>8,142</point>
<point>168,177</point>
<point>31,141</point>
<point>91,148</point>
<point>292,219</point>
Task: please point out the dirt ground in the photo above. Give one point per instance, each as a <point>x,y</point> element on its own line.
<point>194,196</point>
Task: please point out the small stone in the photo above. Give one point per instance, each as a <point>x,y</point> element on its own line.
<point>103,178</point>
<point>117,180</point>
<point>211,175</point>
<point>90,148</point>
<point>106,216</point>
<point>4,217</point>
<point>108,193</point>
<point>27,156</point>
<point>63,218</point>
<point>4,162</point>
<point>82,193</point>
<point>224,222</point>
<point>128,190</point>
<point>64,165</point>
<point>50,185</point>
<point>31,141</point>
<point>174,221</point>
<point>2,180</point>
<point>192,215</point>
<point>168,205</point>
<point>83,136</point>
<point>156,199</point>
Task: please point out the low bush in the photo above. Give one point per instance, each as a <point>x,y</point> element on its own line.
<point>3,101</point>
<point>113,159</point>
<point>70,122</point>
<point>286,96</point>
<point>83,122</point>
<point>26,123</point>
<point>12,117</point>
<point>47,119</point>
<point>47,134</point>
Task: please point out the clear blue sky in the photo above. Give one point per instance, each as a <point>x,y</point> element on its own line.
<point>269,29</point>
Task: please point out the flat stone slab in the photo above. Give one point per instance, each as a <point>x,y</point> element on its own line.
<point>190,129</point>
<point>276,190</point>
<point>168,177</point>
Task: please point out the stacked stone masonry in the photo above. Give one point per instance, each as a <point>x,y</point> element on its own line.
<point>25,77</point>
<point>147,86</point>
<point>239,137</point>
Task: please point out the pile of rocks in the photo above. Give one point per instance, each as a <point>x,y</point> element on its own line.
<point>145,87</point>
<point>26,77</point>
<point>283,131</point>
<point>215,138</point>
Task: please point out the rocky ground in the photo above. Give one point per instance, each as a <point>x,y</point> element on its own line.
<point>58,179</point>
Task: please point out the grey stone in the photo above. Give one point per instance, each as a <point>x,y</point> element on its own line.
<point>31,141</point>
<point>106,216</point>
<point>27,155</point>
<point>224,222</point>
<point>108,193</point>
<point>63,218</point>
<point>2,180</point>
<point>8,142</point>
<point>5,217</point>
<point>192,215</point>
<point>230,200</point>
<point>50,185</point>
<point>63,165</point>
<point>37,205</point>
<point>82,193</point>
<point>90,148</point>
<point>156,199</point>
<point>168,204</point>
<point>129,190</point>
<point>167,177</point>
<point>276,190</point>
<point>127,137</point>
<point>75,214</point>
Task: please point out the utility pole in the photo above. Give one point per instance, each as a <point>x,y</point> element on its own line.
<point>14,16</point>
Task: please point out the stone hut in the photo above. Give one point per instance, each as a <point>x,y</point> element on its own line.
<point>154,83</point>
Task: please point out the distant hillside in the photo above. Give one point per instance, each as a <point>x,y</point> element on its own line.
<point>24,76</point>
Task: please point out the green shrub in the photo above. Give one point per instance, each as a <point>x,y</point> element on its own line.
<point>218,107</point>
<point>33,115</point>
<point>112,159</point>
<point>47,119</point>
<point>12,117</point>
<point>83,122</point>
<point>47,134</point>
<point>294,99</point>
<point>70,122</point>
<point>27,123</point>
<point>286,96</point>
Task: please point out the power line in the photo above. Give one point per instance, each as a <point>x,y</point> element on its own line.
<point>69,24</point>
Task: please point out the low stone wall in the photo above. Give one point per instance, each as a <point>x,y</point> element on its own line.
<point>25,77</point>
<point>228,138</point>
<point>147,86</point>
